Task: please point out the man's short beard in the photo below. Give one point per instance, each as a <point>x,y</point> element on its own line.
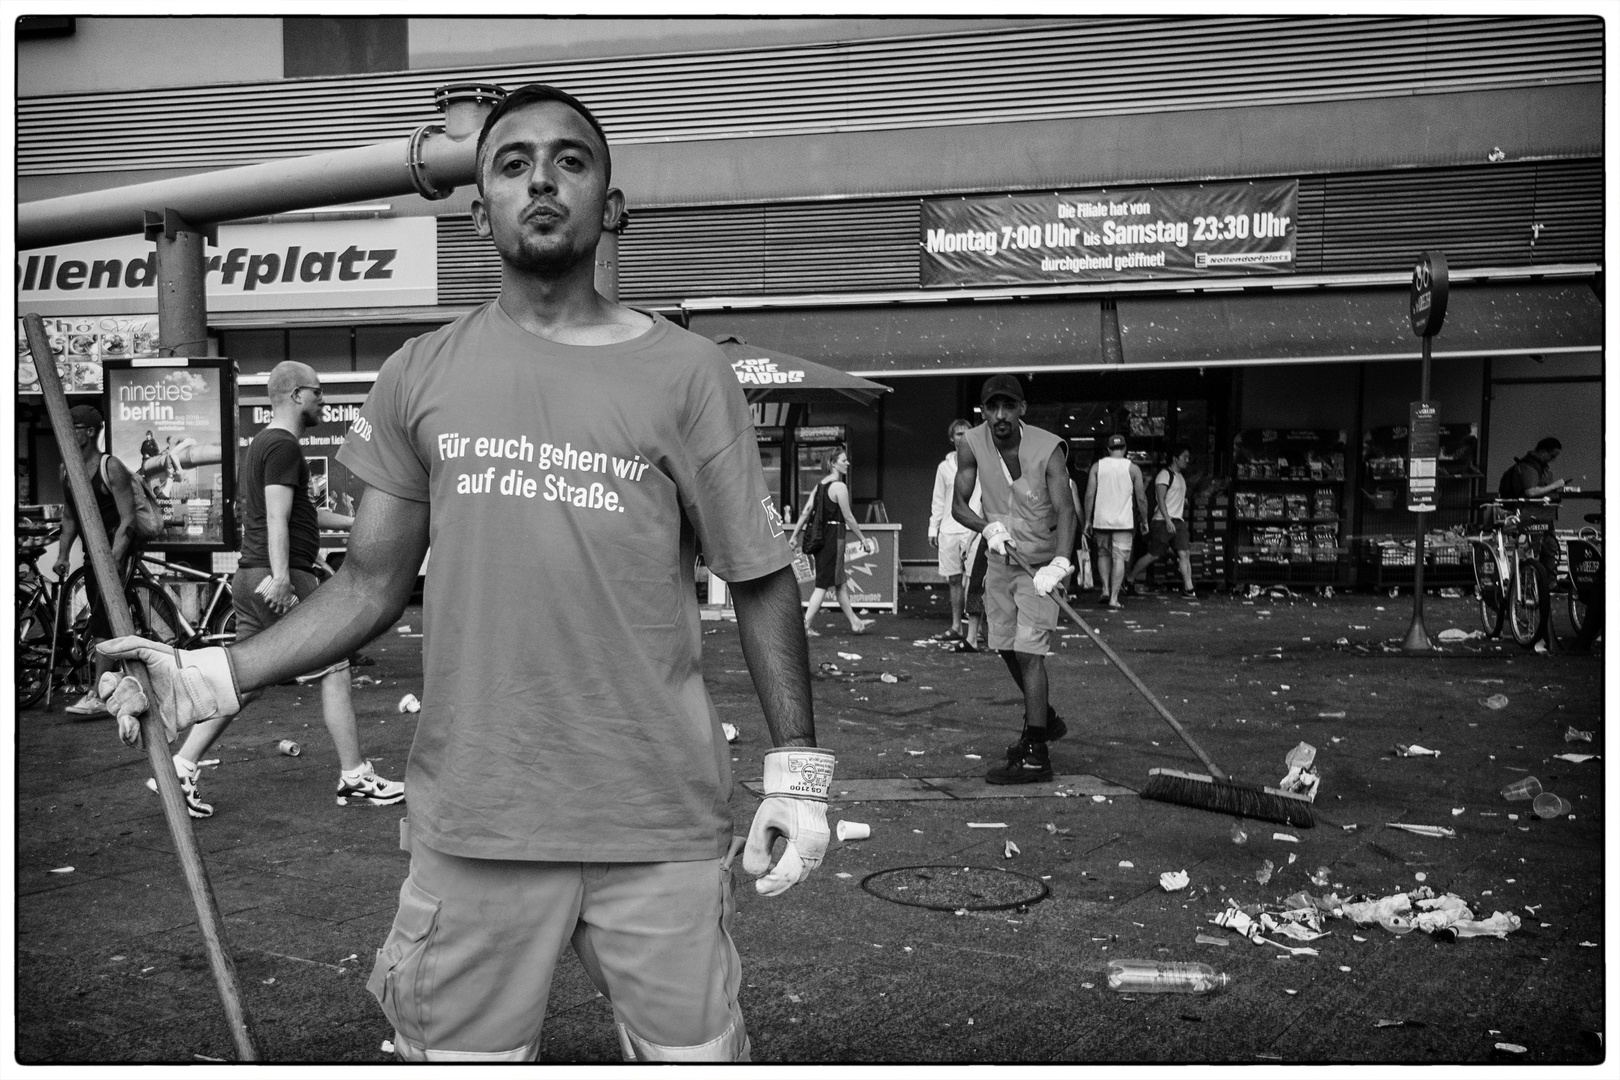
<point>539,263</point>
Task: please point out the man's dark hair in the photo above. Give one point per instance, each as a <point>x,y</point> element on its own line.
<point>1549,443</point>
<point>1177,450</point>
<point>534,94</point>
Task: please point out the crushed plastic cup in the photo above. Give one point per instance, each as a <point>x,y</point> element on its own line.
<point>1548,805</point>
<point>1495,701</point>
<point>409,704</point>
<point>853,830</point>
<point>1522,790</point>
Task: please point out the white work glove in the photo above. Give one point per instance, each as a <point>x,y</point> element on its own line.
<point>1052,575</point>
<point>998,537</point>
<point>795,807</point>
<point>191,686</point>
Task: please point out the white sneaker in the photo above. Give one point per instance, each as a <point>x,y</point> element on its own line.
<point>366,787</point>
<point>188,774</point>
<point>89,705</point>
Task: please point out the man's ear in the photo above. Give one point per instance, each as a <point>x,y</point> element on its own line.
<point>612,209</point>
<point>480,217</point>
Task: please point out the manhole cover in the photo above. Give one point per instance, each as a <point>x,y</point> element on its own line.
<point>952,888</point>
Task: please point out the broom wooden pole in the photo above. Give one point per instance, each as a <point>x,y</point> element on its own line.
<point>1175,725</point>
<point>99,553</point>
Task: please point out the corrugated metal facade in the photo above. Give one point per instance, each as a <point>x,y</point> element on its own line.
<point>1483,216</point>
<point>1092,67</point>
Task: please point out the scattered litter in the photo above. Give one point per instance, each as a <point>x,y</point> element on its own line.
<point>1051,828</point>
<point>1285,837</point>
<point>362,680</point>
<point>730,731</point>
<point>1099,798</point>
<point>1512,1048</point>
<point>844,876</point>
<point>62,870</point>
<point>205,1057</point>
<point>1415,751</point>
<point>1455,810</point>
<point>1420,876</point>
<point>849,656</point>
<point>1349,828</point>
<point>1320,879</point>
<point>1126,865</point>
<point>1589,944</point>
<point>1010,850</point>
<point>1301,950</point>
<point>270,981</point>
<point>1495,701</point>
<point>207,762</point>
<point>1574,734</point>
<point>853,830</point>
<point>1263,875</point>
<point>403,628</point>
<point>1398,1023</point>
<point>1240,835</point>
<point>888,678</point>
<point>1575,759</point>
<point>1301,778</point>
<point>1423,830</point>
<point>973,757</point>
<point>1339,715</point>
<point>387,1046</point>
<point>410,704</point>
<point>987,824</point>
<point>1453,634</point>
<point>1173,880</point>
<point>1358,937</point>
<point>1290,993</point>
<point>916,753</point>
<point>1208,939</point>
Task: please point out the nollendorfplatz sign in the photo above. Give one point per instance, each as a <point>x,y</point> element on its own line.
<point>1191,230</point>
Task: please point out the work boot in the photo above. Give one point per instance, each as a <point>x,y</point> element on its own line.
<point>1055,730</point>
<point>1027,763</point>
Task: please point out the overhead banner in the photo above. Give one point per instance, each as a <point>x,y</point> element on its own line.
<point>1110,234</point>
<point>382,262</point>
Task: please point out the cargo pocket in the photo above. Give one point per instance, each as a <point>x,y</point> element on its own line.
<point>400,980</point>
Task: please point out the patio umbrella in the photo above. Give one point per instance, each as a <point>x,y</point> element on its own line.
<point>768,375</point>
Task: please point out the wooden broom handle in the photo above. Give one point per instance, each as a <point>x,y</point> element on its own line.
<point>110,583</point>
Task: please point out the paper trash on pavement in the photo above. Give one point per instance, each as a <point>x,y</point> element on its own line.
<point>1301,778</point>
<point>1010,850</point>
<point>1173,880</point>
<point>987,824</point>
<point>1495,701</point>
<point>1286,838</point>
<point>1575,734</point>
<point>1415,751</point>
<point>1575,759</point>
<point>849,656</point>
<point>1263,875</point>
<point>1423,830</point>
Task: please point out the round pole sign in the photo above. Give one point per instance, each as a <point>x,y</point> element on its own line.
<point>1431,283</point>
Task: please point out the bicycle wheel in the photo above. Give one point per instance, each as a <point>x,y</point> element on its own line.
<point>1488,578</point>
<point>73,643</point>
<point>153,613</point>
<point>221,628</point>
<point>1527,615</point>
<point>1577,610</point>
<point>33,647</point>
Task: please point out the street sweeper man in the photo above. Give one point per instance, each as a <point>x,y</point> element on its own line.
<point>1028,509</point>
<point>569,780</point>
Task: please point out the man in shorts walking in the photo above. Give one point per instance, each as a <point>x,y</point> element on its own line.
<point>1111,486</point>
<point>946,534</point>
<point>281,541</point>
<point>569,781</point>
<point>1024,487</point>
<point>1169,526</point>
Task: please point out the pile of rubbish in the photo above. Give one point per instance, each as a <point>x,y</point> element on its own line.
<point>1446,917</point>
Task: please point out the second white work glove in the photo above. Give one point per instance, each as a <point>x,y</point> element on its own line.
<point>191,686</point>
<point>1052,575</point>
<point>998,537</point>
<point>795,807</point>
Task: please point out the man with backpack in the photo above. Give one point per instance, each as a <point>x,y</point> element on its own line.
<point>110,482</point>
<point>1169,523</point>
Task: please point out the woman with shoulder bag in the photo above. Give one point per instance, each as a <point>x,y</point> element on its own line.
<point>827,515</point>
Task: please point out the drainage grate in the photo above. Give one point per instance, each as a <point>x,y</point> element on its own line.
<point>953,888</point>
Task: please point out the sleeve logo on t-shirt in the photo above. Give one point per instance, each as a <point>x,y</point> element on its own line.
<point>361,427</point>
<point>774,516</point>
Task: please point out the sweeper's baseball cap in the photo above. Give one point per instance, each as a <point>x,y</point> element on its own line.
<point>1006,386</point>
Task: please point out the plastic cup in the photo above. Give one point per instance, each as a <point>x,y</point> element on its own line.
<point>1548,805</point>
<point>1522,790</point>
<point>853,830</point>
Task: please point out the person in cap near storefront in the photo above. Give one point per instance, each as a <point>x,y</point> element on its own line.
<point>1023,483</point>
<point>569,781</point>
<point>1113,485</point>
<point>109,482</point>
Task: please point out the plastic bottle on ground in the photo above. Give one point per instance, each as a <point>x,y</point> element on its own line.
<point>1164,977</point>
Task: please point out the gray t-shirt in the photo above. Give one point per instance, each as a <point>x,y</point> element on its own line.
<point>564,715</point>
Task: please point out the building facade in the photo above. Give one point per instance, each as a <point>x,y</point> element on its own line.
<point>1191,230</point>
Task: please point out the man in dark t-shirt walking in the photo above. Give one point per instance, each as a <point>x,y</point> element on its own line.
<point>280,545</point>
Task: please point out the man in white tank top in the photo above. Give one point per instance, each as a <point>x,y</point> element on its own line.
<point>1111,486</point>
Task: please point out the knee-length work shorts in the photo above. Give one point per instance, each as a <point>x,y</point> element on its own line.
<point>466,970</point>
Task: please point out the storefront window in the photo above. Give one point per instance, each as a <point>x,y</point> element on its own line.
<point>255,351</point>
<point>374,344</point>
<point>324,348</point>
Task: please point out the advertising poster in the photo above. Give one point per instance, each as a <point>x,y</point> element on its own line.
<point>167,425</point>
<point>1197,230</point>
<point>331,486</point>
<point>81,343</point>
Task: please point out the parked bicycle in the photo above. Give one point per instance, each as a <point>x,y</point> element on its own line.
<point>1511,584</point>
<point>1585,584</point>
<point>38,644</point>
<point>216,618</point>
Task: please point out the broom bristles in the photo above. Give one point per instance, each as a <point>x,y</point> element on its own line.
<point>1229,797</point>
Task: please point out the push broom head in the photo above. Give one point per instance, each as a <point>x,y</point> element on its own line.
<point>1229,797</point>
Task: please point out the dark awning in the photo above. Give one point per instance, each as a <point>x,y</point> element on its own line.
<point>925,339</point>
<point>771,375</point>
<point>1327,325</point>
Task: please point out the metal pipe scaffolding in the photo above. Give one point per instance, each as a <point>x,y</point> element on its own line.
<point>432,162</point>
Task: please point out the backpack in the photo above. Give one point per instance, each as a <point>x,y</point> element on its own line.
<point>815,532</point>
<point>148,518</point>
<point>1510,487</point>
